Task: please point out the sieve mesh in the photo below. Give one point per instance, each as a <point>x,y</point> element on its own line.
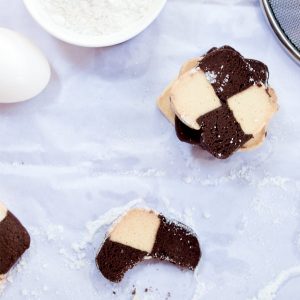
<point>287,13</point>
<point>284,17</point>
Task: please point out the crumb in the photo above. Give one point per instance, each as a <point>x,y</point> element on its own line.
<point>133,292</point>
<point>146,290</point>
<point>114,292</point>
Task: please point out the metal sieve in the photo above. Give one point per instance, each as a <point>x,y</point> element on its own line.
<point>284,17</point>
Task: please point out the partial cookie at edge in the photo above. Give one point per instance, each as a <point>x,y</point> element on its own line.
<point>14,241</point>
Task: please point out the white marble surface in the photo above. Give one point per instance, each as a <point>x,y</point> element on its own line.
<point>94,140</point>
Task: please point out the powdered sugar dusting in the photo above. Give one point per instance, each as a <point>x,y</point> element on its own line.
<point>9,278</point>
<point>106,219</point>
<point>202,287</point>
<point>54,232</point>
<point>269,292</point>
<point>211,76</point>
<point>96,17</point>
<point>2,284</point>
<point>246,173</point>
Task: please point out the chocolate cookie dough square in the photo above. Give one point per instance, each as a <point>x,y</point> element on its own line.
<point>14,240</point>
<point>221,134</point>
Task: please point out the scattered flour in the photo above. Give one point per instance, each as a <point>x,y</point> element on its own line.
<point>54,232</point>
<point>106,219</point>
<point>201,288</point>
<point>297,243</point>
<point>188,217</point>
<point>206,215</point>
<point>8,278</point>
<point>247,174</point>
<point>269,292</point>
<point>167,203</point>
<point>188,179</point>
<point>2,284</point>
<point>276,181</point>
<point>145,173</point>
<point>211,77</point>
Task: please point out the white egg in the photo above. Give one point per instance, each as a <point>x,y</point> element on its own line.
<point>24,70</point>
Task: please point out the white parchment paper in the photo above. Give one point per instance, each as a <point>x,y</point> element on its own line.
<point>93,143</point>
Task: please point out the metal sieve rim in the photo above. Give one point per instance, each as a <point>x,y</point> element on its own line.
<point>289,46</point>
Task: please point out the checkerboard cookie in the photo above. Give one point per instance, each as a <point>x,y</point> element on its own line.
<point>221,102</point>
<point>144,234</point>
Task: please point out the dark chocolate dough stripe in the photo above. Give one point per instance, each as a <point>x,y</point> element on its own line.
<point>234,74</point>
<point>14,241</point>
<point>177,244</point>
<point>187,134</point>
<point>260,71</point>
<point>115,259</point>
<point>221,134</point>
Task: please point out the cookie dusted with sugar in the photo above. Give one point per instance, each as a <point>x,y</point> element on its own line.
<point>221,102</point>
<point>143,234</point>
<point>14,240</point>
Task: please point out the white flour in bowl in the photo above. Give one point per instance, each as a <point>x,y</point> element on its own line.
<point>96,17</point>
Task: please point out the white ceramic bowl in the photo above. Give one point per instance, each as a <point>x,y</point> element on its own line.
<point>44,19</point>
